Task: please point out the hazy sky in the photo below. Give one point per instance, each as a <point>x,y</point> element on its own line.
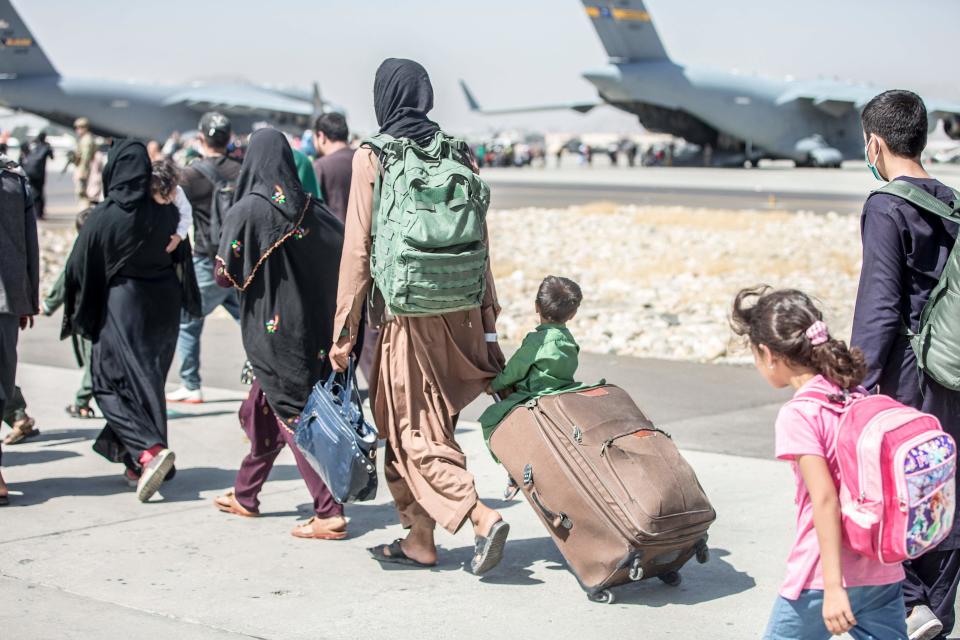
<point>511,52</point>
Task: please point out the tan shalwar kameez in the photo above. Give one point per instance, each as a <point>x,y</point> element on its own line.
<point>426,371</point>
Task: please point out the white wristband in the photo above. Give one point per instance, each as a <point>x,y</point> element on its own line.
<point>490,337</point>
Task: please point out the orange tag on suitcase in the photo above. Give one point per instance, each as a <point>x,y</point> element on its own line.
<point>594,393</point>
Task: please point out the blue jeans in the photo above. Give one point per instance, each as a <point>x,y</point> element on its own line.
<point>212,296</point>
<point>878,610</point>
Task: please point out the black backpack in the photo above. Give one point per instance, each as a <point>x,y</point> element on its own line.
<point>221,199</point>
<point>35,163</point>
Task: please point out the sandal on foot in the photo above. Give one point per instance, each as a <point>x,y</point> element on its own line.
<point>80,411</point>
<point>4,501</point>
<point>22,430</point>
<point>396,555</point>
<point>489,548</point>
<point>154,473</point>
<point>228,504</point>
<point>511,491</point>
<point>306,531</point>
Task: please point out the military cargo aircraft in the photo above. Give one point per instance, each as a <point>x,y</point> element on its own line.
<point>28,81</point>
<point>737,118</point>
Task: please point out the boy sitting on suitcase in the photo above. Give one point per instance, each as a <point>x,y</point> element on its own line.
<point>546,361</point>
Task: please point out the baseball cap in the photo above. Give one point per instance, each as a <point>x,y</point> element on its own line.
<point>215,127</point>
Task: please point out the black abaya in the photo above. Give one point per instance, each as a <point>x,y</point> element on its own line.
<point>124,292</point>
<point>281,250</point>
<point>130,362</point>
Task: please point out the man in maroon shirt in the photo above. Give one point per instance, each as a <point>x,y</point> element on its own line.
<point>334,166</point>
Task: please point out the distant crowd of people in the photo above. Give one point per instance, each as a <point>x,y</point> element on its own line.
<point>292,248</point>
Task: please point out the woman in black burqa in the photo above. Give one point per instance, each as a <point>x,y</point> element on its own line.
<point>124,292</point>
<point>281,249</point>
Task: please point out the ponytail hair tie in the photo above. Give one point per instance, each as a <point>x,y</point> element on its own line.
<point>818,333</point>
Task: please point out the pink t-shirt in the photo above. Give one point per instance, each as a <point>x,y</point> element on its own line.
<point>806,428</point>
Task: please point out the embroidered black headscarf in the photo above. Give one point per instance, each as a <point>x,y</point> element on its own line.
<point>281,249</point>
<point>402,97</point>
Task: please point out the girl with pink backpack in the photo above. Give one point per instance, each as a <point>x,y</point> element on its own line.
<point>875,479</point>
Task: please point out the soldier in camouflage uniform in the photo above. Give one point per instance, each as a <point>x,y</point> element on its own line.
<point>86,150</point>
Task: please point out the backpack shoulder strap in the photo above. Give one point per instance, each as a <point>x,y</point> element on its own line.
<point>208,172</point>
<point>923,200</point>
<point>835,404</point>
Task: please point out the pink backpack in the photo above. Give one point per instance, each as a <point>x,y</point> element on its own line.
<point>897,476</point>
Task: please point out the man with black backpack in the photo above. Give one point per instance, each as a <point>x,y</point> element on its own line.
<point>35,166</point>
<point>209,183</point>
<point>907,322</point>
<point>19,278</point>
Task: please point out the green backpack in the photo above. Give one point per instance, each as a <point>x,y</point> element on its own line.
<point>429,247</point>
<point>937,340</point>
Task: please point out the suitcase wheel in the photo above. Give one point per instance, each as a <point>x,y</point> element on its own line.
<point>603,597</point>
<point>636,571</point>
<point>671,578</point>
<point>703,553</point>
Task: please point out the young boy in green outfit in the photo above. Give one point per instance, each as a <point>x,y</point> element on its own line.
<point>547,359</point>
<point>81,346</point>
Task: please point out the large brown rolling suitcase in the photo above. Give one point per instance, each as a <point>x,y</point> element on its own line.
<point>619,500</point>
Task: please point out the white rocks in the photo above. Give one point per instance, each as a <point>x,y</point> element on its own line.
<point>659,281</point>
<point>55,246</point>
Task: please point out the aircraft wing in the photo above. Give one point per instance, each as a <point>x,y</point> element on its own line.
<point>243,99</point>
<point>942,110</point>
<point>581,107</point>
<point>834,100</point>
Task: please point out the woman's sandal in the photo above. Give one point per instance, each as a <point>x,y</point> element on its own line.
<point>306,531</point>
<point>22,430</point>
<point>396,555</point>
<point>489,549</point>
<point>228,504</point>
<point>511,490</point>
<point>80,411</point>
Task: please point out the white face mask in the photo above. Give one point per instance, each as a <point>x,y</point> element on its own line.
<point>871,165</point>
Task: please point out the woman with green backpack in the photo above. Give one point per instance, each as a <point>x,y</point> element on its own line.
<point>416,246</point>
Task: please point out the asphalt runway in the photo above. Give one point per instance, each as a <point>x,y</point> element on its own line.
<point>515,195</point>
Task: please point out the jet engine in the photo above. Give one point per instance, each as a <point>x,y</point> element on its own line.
<point>951,126</point>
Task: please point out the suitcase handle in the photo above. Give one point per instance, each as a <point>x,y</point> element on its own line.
<point>556,519</point>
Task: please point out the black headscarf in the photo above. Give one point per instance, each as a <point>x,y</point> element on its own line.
<point>268,183</point>
<point>281,249</point>
<point>126,177</point>
<point>114,232</point>
<point>402,97</point>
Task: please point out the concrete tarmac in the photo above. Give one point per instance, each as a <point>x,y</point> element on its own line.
<point>765,189</point>
<point>81,558</point>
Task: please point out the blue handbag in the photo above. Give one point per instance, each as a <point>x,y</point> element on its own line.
<point>335,439</point>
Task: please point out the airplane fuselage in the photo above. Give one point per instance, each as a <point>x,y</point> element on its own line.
<point>120,109</point>
<point>725,109</point>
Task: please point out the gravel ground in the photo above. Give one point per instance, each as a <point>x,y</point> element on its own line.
<point>55,245</point>
<point>657,281</point>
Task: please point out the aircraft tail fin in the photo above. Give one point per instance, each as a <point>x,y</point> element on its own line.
<point>626,30</point>
<point>20,55</point>
<point>471,99</point>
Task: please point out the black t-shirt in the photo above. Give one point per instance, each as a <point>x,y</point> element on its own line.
<point>199,191</point>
